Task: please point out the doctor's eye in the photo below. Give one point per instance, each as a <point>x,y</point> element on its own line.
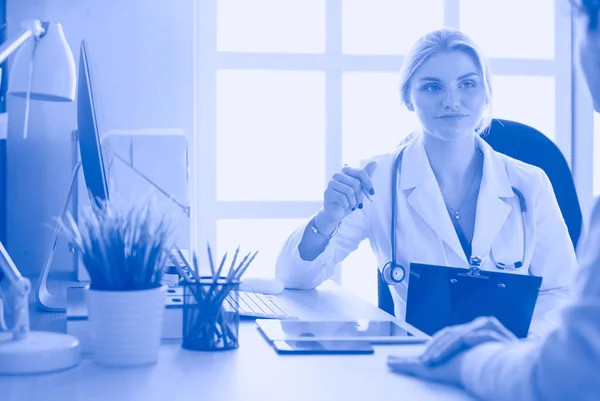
<point>468,84</point>
<point>432,87</point>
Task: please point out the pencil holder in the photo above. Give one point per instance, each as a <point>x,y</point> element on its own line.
<point>210,314</point>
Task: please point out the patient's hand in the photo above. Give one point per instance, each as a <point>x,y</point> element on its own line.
<point>3,326</point>
<point>447,373</point>
<point>450,341</point>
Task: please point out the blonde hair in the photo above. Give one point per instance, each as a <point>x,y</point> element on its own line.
<point>443,40</point>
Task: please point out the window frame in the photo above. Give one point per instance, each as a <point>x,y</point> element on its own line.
<point>206,210</point>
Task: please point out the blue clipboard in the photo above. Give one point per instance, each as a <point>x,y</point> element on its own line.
<point>440,296</point>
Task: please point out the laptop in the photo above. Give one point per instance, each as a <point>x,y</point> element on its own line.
<point>441,296</point>
<point>248,304</point>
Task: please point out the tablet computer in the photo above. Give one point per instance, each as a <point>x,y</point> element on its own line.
<point>372,331</point>
<point>322,347</point>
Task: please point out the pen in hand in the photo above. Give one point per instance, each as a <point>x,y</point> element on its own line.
<point>366,192</point>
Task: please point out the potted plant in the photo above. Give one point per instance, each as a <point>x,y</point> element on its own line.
<point>125,253</point>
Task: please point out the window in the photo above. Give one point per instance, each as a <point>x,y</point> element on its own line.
<point>291,90</point>
<point>511,29</point>
<point>264,235</point>
<point>268,122</point>
<point>373,118</point>
<point>270,26</point>
<point>536,100</point>
<point>386,27</point>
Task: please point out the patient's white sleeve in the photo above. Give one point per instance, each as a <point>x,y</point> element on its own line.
<point>563,366</point>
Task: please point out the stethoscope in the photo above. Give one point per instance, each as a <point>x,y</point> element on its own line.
<point>394,273</point>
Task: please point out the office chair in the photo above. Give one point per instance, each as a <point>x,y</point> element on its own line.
<point>529,145</point>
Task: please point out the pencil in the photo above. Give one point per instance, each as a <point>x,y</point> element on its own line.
<point>367,195</point>
<point>364,190</point>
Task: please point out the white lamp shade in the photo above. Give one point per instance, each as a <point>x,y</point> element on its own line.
<point>54,73</point>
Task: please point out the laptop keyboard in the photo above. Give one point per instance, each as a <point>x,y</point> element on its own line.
<point>257,305</point>
<point>249,304</point>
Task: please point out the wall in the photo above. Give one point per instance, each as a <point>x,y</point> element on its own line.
<point>141,60</point>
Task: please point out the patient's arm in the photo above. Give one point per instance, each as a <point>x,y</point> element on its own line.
<point>548,311</point>
<point>562,366</point>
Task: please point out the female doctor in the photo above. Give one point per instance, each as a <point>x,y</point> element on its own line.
<point>444,196</point>
<point>485,361</point>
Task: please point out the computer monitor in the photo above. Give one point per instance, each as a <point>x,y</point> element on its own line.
<point>94,173</point>
<point>89,137</point>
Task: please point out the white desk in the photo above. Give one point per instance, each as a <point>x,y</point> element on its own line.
<point>252,372</point>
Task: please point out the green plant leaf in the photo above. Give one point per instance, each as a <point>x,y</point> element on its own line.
<point>121,250</point>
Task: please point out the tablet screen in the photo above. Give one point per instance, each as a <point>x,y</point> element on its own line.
<point>375,331</point>
<point>322,347</point>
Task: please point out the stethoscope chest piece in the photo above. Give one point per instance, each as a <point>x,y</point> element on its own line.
<point>393,273</point>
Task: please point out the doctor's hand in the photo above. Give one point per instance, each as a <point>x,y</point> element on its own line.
<point>448,342</point>
<point>346,191</point>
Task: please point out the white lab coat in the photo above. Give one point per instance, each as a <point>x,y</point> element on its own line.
<point>425,234</point>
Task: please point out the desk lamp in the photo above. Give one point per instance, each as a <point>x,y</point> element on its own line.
<point>53,79</point>
<point>43,68</point>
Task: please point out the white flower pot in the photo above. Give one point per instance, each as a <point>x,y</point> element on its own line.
<point>126,326</point>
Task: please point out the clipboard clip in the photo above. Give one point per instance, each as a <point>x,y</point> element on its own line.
<point>474,268</point>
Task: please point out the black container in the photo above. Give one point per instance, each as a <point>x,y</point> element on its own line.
<point>210,315</point>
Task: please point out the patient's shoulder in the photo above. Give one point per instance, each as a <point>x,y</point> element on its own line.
<point>595,217</point>
<point>588,254</point>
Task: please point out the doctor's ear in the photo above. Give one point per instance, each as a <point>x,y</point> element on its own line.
<point>409,106</point>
